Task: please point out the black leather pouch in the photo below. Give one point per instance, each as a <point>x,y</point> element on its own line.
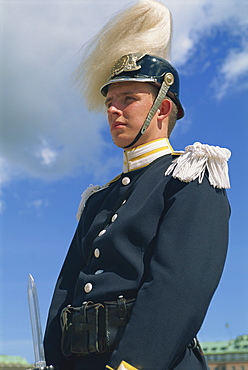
<point>94,327</point>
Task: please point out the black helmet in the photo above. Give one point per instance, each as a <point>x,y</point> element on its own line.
<point>145,68</point>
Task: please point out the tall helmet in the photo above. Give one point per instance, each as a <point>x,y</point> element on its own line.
<point>145,68</point>
<point>133,46</point>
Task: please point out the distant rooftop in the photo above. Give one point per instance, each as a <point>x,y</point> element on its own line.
<point>12,360</point>
<point>238,345</point>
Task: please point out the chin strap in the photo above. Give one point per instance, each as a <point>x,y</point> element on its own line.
<point>168,81</point>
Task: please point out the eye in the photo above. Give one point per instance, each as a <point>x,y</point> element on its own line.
<point>129,98</point>
<point>108,104</point>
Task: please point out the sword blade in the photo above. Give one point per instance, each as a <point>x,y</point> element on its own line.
<point>35,324</point>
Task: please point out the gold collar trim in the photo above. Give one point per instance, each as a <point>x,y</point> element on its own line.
<point>144,154</point>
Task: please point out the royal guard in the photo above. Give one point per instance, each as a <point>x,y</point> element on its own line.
<point>150,245</point>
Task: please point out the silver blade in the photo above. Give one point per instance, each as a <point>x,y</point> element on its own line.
<point>35,324</point>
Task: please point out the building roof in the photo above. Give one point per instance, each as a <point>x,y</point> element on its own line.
<point>6,359</point>
<point>238,345</point>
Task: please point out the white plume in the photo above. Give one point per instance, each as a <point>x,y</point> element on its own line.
<point>145,27</point>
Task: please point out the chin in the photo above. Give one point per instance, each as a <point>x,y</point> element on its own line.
<point>121,142</point>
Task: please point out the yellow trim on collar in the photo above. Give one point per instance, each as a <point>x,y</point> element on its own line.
<point>177,153</point>
<point>144,154</point>
<point>153,141</point>
<point>149,153</point>
<point>169,144</point>
<point>113,180</point>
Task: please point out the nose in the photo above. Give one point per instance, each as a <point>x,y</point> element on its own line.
<point>113,113</point>
<point>113,109</point>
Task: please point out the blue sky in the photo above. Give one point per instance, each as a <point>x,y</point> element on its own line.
<point>52,148</point>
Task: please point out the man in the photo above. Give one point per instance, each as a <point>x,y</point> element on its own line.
<point>150,245</point>
<point>128,105</point>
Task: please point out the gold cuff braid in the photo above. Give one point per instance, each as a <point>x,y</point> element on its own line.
<point>123,366</point>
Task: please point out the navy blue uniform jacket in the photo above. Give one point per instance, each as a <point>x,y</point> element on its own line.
<point>166,247</point>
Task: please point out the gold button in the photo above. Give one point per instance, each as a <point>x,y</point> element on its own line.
<point>126,181</point>
<point>97,253</point>
<point>88,287</point>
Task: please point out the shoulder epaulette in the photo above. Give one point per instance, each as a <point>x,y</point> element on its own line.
<point>197,158</point>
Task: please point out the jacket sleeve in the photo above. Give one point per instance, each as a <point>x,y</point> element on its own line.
<point>184,265</point>
<point>63,295</point>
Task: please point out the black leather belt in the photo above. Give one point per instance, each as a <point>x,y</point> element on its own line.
<point>97,327</point>
<point>94,327</point>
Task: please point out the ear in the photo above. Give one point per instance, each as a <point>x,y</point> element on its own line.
<point>164,109</point>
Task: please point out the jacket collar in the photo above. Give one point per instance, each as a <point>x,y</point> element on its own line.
<point>143,155</point>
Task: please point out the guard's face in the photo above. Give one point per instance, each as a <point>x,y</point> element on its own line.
<point>128,104</point>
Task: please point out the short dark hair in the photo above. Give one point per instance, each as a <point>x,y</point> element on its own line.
<point>173,117</point>
<point>173,113</point>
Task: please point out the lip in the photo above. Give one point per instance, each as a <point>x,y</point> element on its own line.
<point>117,124</point>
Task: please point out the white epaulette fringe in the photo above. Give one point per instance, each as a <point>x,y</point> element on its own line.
<point>198,157</point>
<point>85,196</point>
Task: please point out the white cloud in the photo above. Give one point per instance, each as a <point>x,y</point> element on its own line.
<point>236,65</point>
<point>232,72</point>
<point>4,178</point>
<point>194,19</point>
<point>47,132</point>
<point>2,206</point>
<point>36,206</point>
<point>38,203</point>
<point>46,155</point>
